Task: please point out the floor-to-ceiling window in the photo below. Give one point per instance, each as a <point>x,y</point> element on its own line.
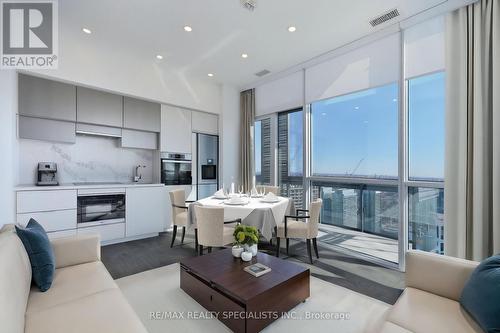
<point>426,107</point>
<point>354,158</point>
<point>290,155</point>
<point>369,140</point>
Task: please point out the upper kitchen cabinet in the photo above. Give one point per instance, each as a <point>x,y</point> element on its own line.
<point>139,139</point>
<point>141,115</point>
<point>99,108</point>
<point>46,99</point>
<point>46,129</point>
<point>205,123</point>
<point>175,130</point>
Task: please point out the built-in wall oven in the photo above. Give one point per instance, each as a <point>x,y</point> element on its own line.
<point>176,169</point>
<point>99,207</point>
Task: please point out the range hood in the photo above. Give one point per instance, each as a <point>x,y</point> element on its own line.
<point>98,130</point>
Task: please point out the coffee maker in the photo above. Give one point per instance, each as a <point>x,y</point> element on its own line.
<point>47,174</point>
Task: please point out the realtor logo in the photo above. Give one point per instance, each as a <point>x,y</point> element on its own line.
<point>29,34</point>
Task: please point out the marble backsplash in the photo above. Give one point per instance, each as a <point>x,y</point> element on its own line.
<point>90,159</point>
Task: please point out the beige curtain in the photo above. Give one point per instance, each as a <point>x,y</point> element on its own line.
<point>247,109</point>
<point>472,167</point>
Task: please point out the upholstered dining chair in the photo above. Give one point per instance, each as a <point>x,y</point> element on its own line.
<point>179,213</point>
<point>267,189</point>
<point>212,229</point>
<point>301,226</point>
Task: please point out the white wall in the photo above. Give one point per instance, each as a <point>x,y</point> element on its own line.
<point>8,144</point>
<point>90,159</point>
<point>230,137</point>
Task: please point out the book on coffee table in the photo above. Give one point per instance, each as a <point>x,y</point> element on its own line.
<point>257,269</point>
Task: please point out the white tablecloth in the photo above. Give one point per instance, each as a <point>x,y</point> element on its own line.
<point>264,216</point>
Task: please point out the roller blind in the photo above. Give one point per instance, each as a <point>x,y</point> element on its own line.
<point>372,65</point>
<point>279,95</point>
<point>424,47</point>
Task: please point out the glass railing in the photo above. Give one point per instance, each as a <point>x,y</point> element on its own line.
<point>426,219</point>
<point>367,208</point>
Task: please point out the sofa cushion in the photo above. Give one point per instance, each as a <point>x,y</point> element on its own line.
<point>71,283</point>
<point>422,312</point>
<point>481,294</point>
<point>103,312</point>
<point>15,281</point>
<point>40,252</point>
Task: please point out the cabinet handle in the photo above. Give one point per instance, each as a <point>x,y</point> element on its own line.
<point>211,297</point>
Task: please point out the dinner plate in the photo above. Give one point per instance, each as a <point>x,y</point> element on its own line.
<point>241,203</point>
<point>270,200</point>
<point>219,198</point>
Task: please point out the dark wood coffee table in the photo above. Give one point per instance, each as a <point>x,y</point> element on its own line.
<point>242,302</point>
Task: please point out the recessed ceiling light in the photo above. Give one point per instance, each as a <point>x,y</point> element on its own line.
<point>87,31</point>
<point>244,55</point>
<point>210,74</point>
<point>188,28</point>
<point>159,57</point>
<point>292,29</point>
<point>394,99</point>
<point>356,108</point>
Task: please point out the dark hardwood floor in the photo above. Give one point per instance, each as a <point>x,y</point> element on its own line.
<point>384,284</point>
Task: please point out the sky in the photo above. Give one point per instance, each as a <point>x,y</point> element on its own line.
<point>357,134</point>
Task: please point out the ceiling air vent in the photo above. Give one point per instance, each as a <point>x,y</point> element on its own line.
<point>249,4</point>
<point>384,17</point>
<point>262,73</point>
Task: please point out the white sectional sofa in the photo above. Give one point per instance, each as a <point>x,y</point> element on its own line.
<point>83,297</point>
<point>429,303</point>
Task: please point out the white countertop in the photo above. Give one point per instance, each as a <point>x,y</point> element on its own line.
<point>30,187</point>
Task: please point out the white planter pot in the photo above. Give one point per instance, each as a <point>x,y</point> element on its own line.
<point>253,249</point>
<point>246,256</point>
<point>237,250</point>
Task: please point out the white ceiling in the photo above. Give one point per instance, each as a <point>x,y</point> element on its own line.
<point>222,30</point>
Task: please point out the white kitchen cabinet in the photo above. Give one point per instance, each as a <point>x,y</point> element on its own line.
<point>145,210</point>
<point>141,115</point>
<point>139,139</point>
<point>44,201</point>
<point>203,122</point>
<point>175,130</point>
<point>107,232</point>
<point>46,130</point>
<point>98,107</point>
<point>51,221</point>
<point>47,99</point>
<point>63,233</point>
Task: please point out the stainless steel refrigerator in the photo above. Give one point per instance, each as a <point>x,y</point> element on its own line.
<point>206,160</point>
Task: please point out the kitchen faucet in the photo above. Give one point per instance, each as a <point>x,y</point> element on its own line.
<point>138,176</point>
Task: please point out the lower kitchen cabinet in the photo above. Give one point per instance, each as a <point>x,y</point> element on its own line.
<point>145,210</point>
<point>107,232</point>
<point>56,220</point>
<point>63,233</point>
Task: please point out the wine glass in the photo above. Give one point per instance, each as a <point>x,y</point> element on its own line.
<point>240,190</point>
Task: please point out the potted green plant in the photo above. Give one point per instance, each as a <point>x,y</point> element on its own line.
<point>247,237</point>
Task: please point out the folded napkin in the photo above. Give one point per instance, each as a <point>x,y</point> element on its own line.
<point>219,194</point>
<point>270,195</point>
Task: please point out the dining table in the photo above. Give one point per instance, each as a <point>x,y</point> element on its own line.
<point>265,216</point>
